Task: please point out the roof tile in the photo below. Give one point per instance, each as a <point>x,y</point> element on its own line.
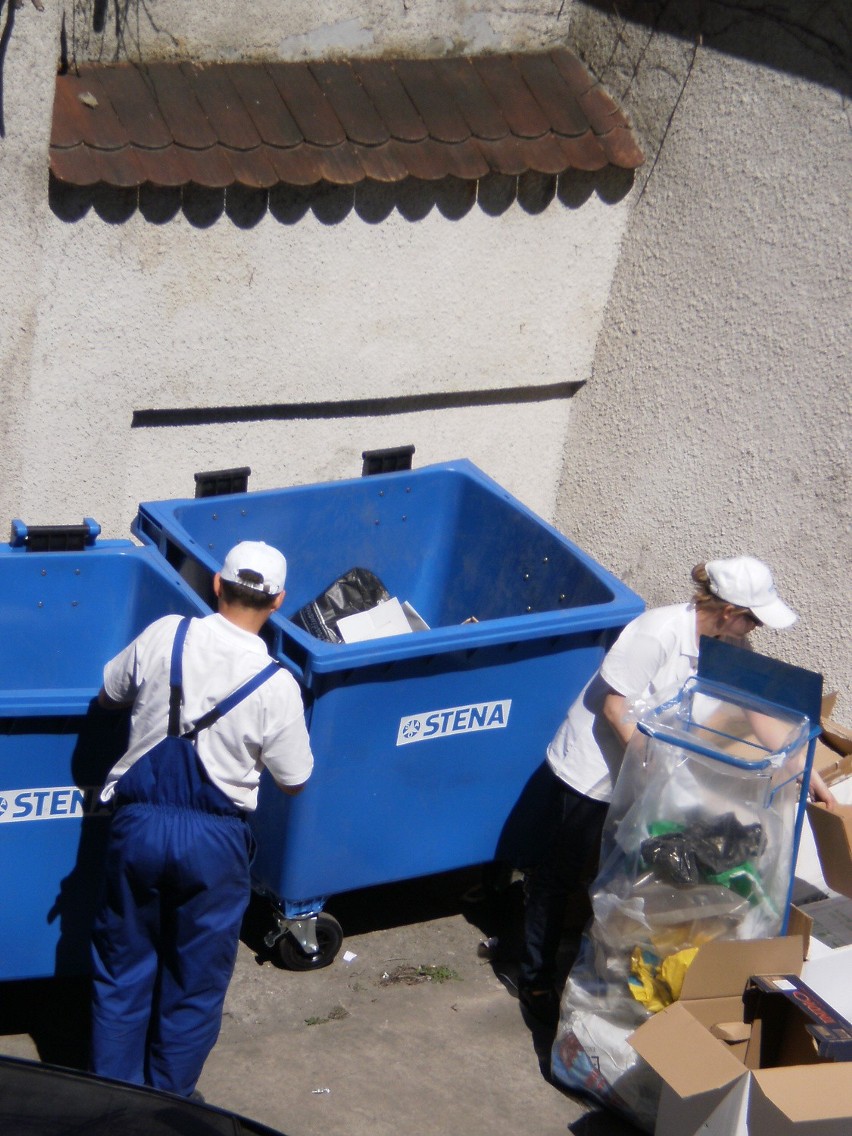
<point>168,166</point>
<point>621,149</point>
<point>129,91</point>
<point>339,164</point>
<point>260,97</point>
<point>525,117</point>
<point>174,91</point>
<point>434,103</point>
<point>584,153</point>
<point>223,106</point>
<point>299,165</point>
<point>76,165</point>
<point>391,100</point>
<point>83,113</point>
<point>253,167</point>
<point>472,97</point>
<point>307,103</point>
<point>258,124</point>
<point>383,163</point>
<point>552,94</point>
<point>119,167</point>
<point>572,71</point>
<point>602,112</point>
<point>350,103</point>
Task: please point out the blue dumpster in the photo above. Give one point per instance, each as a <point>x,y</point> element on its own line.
<point>429,746</point>
<point>64,613</point>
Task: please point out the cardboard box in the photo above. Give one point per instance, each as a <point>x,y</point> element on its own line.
<point>833,754</point>
<point>833,838</point>
<point>831,765</point>
<point>791,1024</point>
<point>708,1087</point>
<point>837,736</point>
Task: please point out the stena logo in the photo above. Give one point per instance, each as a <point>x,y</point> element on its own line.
<point>454,720</point>
<point>64,802</point>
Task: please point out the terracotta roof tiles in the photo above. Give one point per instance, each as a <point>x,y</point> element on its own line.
<point>259,124</point>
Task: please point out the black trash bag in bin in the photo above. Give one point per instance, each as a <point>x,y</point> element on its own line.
<point>357,590</point>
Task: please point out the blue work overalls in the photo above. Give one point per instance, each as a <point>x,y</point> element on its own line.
<point>177,886</point>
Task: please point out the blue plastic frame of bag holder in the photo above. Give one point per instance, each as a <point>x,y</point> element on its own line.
<point>812,734</point>
<point>718,690</point>
<point>222,708</point>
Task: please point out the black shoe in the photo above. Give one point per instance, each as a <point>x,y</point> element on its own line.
<point>542,1005</point>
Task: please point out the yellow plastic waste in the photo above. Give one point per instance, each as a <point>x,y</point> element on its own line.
<point>657,983</point>
<point>673,970</point>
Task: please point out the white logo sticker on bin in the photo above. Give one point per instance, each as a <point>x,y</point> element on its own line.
<point>453,720</point>
<point>61,802</point>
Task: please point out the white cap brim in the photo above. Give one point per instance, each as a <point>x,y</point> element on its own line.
<point>775,615</point>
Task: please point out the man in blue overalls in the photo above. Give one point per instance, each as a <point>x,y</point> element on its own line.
<point>209,712</point>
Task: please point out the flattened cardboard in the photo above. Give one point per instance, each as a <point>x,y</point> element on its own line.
<point>833,838</point>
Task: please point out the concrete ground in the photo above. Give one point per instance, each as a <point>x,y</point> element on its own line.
<point>415,1033</point>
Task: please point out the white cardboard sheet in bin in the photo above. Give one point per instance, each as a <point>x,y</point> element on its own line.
<point>388,618</point>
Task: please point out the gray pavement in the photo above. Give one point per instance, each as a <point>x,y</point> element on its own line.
<point>416,1033</point>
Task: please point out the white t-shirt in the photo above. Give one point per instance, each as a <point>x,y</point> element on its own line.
<point>266,729</point>
<point>648,663</point>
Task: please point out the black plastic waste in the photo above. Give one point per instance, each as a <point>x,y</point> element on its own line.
<point>706,848</point>
<point>357,590</point>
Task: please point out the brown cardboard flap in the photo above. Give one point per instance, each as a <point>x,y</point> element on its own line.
<point>682,1051</point>
<point>731,1031</point>
<point>801,924</point>
<point>837,736</point>
<point>829,701</point>
<point>831,765</point>
<point>808,1093</point>
<point>723,968</point>
<point>833,838</point>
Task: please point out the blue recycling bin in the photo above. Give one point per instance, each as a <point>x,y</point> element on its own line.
<point>429,746</point>
<point>63,613</point>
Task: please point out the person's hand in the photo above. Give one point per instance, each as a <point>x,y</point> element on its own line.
<point>819,791</point>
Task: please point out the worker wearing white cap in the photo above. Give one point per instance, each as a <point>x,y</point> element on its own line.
<point>650,661</point>
<point>210,711</point>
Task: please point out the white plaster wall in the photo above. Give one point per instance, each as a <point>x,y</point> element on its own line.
<point>118,316</point>
<point>317,28</point>
<point>717,420</point>
<point>136,316</point>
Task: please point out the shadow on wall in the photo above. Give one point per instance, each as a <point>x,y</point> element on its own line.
<point>372,201</point>
<point>798,37</point>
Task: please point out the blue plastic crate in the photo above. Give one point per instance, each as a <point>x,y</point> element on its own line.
<point>63,615</point>
<point>429,746</point>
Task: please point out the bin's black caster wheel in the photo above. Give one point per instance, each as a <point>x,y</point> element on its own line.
<point>329,941</point>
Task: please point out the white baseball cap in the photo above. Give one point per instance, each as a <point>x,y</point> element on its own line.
<point>256,565</point>
<point>747,582</point>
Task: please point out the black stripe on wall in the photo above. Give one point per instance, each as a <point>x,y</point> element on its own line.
<point>351,408</point>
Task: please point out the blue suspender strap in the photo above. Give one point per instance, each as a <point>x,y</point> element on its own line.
<point>176,678</point>
<point>233,699</point>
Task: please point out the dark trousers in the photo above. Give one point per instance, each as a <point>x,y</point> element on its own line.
<point>575,824</point>
<point>166,936</point>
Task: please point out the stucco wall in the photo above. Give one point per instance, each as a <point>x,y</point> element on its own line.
<point>257,302</point>
<point>717,419</point>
